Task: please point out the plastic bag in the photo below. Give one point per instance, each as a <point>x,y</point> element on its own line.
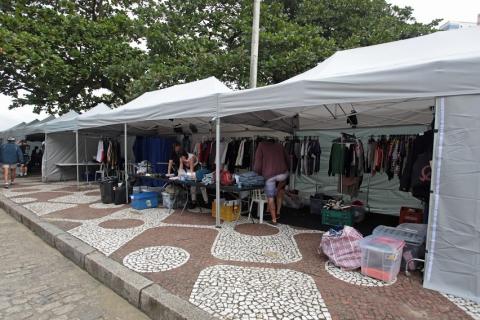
<point>343,248</point>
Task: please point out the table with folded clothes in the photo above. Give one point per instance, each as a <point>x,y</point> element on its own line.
<point>245,183</point>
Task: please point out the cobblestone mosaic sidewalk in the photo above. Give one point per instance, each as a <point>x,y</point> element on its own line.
<point>241,271</point>
<point>38,283</point>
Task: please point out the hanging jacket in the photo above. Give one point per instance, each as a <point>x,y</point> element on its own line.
<point>314,153</point>
<point>336,163</point>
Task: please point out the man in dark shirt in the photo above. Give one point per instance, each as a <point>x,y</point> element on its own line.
<point>177,156</point>
<point>180,160</point>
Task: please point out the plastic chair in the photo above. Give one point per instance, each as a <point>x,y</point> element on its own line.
<point>100,172</point>
<point>261,200</point>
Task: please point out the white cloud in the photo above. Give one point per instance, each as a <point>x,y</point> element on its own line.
<point>10,118</point>
<point>427,10</point>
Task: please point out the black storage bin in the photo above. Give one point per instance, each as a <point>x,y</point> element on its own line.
<point>316,204</point>
<point>119,195</point>
<point>106,191</point>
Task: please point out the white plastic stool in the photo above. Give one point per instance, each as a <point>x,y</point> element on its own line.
<point>261,200</point>
<point>100,172</point>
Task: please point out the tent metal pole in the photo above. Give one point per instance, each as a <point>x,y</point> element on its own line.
<point>126,163</point>
<point>217,173</point>
<point>254,47</point>
<point>45,158</point>
<point>76,155</point>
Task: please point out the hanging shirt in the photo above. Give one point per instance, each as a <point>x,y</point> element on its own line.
<point>99,156</point>
<point>336,164</point>
<point>224,152</point>
<point>239,160</point>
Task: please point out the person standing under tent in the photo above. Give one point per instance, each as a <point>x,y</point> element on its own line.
<point>35,159</point>
<point>181,161</point>
<point>272,162</point>
<point>177,157</point>
<point>10,156</point>
<point>25,150</point>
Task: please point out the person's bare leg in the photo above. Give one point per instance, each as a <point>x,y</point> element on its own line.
<point>280,194</point>
<point>271,208</point>
<point>12,174</point>
<point>5,175</point>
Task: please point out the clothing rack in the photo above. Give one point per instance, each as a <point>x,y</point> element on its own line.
<point>381,136</point>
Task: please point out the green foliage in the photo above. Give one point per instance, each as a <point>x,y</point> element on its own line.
<point>58,55</point>
<point>188,40</point>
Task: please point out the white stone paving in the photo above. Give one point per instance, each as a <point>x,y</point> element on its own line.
<point>108,241</point>
<point>77,198</point>
<point>156,259</point>
<point>23,190</point>
<point>23,200</point>
<point>43,208</point>
<point>278,248</point>
<point>354,277</point>
<point>470,307</point>
<point>105,205</point>
<point>233,292</point>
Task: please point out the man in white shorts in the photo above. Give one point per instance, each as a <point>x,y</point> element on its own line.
<point>271,162</point>
<point>10,156</point>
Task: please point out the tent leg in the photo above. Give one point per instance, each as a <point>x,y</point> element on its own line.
<point>76,154</point>
<point>126,163</point>
<point>217,173</point>
<point>44,159</point>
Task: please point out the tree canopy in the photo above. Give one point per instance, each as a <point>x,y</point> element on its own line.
<point>72,54</point>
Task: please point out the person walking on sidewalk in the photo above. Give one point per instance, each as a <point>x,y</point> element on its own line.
<point>10,156</point>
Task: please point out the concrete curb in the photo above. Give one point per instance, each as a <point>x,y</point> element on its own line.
<point>139,291</point>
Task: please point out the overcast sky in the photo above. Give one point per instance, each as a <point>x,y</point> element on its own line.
<point>424,11</point>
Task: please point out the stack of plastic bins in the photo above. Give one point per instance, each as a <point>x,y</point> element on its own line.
<point>414,236</point>
<point>381,257</point>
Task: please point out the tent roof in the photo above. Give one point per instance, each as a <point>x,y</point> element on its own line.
<point>22,129</point>
<point>197,99</point>
<point>387,84</point>
<point>66,122</point>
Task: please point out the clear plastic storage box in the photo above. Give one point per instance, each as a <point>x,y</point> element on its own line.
<point>381,257</point>
<point>414,236</point>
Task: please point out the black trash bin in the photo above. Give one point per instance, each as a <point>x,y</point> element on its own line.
<point>120,196</point>
<point>106,190</point>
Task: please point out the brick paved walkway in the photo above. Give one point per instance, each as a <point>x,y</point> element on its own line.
<point>38,283</point>
<point>240,271</point>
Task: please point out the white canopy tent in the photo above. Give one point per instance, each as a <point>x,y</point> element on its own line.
<point>398,83</point>
<point>404,76</point>
<point>194,102</point>
<point>58,141</point>
<point>21,130</point>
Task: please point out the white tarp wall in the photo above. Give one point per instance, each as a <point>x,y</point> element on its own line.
<point>384,195</point>
<point>453,244</point>
<point>60,148</point>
